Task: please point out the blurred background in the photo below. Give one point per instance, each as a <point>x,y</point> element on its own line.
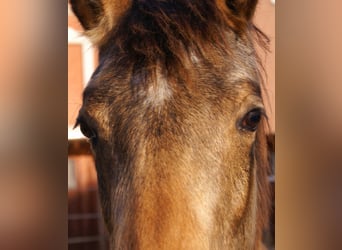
<point>33,118</point>
<point>86,228</point>
<point>35,193</point>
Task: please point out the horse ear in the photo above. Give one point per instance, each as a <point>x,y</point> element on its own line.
<point>242,8</point>
<point>98,17</point>
<point>88,12</point>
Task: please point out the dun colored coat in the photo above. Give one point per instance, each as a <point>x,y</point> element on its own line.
<point>175,117</point>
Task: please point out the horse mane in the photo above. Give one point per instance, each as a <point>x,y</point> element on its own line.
<point>157,33</point>
<point>263,170</point>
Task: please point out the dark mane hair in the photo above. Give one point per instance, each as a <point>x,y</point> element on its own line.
<point>152,33</point>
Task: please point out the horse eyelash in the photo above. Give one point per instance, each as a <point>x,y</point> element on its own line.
<point>263,113</point>
<point>77,123</point>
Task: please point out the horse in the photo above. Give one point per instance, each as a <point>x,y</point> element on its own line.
<point>175,116</point>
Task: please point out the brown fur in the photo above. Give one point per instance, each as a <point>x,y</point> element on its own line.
<point>99,17</point>
<point>175,170</point>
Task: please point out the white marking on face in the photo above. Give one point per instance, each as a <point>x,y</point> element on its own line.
<point>194,59</point>
<point>203,208</point>
<point>158,92</point>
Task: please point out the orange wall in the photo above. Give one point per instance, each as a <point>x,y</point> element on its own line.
<point>75,82</point>
<point>265,20</point>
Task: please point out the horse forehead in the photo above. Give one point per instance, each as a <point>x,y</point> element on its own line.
<point>158,93</point>
<point>241,78</point>
<point>234,71</point>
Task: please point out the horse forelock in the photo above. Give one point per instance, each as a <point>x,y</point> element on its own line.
<point>170,35</point>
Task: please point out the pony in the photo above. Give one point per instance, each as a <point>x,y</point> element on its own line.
<point>175,117</point>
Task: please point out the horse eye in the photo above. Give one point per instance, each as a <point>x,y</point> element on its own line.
<point>251,120</point>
